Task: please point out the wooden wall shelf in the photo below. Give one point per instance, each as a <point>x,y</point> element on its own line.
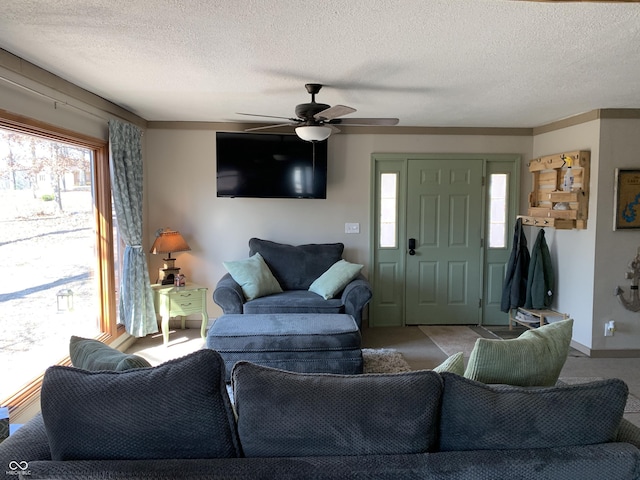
<point>549,205</point>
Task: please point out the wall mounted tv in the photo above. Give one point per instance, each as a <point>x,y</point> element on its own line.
<point>266,165</point>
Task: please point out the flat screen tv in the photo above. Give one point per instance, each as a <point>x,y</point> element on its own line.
<point>266,165</point>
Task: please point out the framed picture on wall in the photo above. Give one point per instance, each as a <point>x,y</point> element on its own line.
<point>627,199</point>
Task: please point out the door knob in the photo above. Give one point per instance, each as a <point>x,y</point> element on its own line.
<point>412,246</point>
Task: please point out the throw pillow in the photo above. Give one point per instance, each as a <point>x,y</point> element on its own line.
<point>177,410</point>
<point>335,279</point>
<point>90,354</point>
<point>284,414</point>
<point>254,276</point>
<point>296,267</point>
<point>453,364</point>
<point>535,358</point>
<point>475,416</point>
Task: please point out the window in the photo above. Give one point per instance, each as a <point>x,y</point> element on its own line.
<point>388,210</point>
<point>56,249</point>
<point>498,210</point>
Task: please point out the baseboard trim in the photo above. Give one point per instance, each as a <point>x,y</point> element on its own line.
<point>622,353</point>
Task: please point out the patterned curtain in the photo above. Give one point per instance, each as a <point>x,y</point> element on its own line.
<point>136,298</point>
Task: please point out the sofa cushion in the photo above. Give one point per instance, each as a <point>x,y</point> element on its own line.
<point>535,358</point>
<point>254,276</point>
<point>335,279</point>
<point>296,414</point>
<point>476,416</point>
<point>179,409</point>
<point>90,354</point>
<point>296,267</point>
<point>294,301</point>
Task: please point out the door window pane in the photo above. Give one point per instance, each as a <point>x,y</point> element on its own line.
<point>498,210</point>
<point>388,210</point>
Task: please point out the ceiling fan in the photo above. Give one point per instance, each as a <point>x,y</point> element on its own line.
<point>316,121</point>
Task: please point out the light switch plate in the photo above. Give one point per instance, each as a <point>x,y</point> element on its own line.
<point>351,228</point>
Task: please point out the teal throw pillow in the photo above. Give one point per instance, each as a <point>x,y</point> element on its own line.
<point>94,355</point>
<point>534,359</point>
<point>335,279</point>
<point>254,276</point>
<point>453,364</point>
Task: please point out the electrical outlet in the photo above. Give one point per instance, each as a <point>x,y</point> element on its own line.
<point>609,328</point>
<point>351,228</point>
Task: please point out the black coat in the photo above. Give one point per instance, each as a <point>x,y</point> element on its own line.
<point>515,282</point>
<point>541,278</point>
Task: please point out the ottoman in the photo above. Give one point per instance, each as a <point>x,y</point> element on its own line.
<point>297,342</point>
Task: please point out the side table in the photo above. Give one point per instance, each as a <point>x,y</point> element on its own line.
<point>171,301</point>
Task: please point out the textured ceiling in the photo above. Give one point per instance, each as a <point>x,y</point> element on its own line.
<point>466,63</point>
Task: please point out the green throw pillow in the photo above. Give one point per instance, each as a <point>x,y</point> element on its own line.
<point>535,358</point>
<point>335,279</point>
<point>453,364</point>
<point>89,354</point>
<point>254,276</point>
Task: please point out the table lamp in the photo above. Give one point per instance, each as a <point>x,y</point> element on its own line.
<point>168,241</point>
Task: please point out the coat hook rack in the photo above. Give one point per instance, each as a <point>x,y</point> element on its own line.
<point>632,304</point>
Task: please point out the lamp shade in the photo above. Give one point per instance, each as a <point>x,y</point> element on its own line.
<point>312,133</point>
<point>169,241</point>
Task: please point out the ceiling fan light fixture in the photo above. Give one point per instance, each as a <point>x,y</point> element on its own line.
<point>313,133</point>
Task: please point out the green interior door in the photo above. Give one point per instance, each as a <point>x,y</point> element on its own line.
<point>444,216</point>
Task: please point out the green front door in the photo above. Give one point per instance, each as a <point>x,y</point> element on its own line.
<point>444,220</point>
<point>442,202</point>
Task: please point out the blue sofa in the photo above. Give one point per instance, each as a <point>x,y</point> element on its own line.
<point>295,268</point>
<point>176,420</point>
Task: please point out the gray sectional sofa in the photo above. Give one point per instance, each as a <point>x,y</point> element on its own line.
<point>176,421</point>
<point>295,269</point>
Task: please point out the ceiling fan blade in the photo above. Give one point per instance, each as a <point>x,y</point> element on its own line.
<point>266,116</point>
<point>365,121</point>
<point>333,112</point>
<point>266,127</point>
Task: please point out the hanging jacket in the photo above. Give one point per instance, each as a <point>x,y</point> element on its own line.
<point>541,279</point>
<point>515,282</point>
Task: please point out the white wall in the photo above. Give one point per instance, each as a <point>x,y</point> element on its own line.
<point>590,263</point>
<point>180,178</point>
<point>619,148</point>
<point>573,251</point>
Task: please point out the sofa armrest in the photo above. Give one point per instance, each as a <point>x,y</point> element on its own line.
<point>228,294</point>
<point>628,433</point>
<point>27,444</point>
<point>355,296</point>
